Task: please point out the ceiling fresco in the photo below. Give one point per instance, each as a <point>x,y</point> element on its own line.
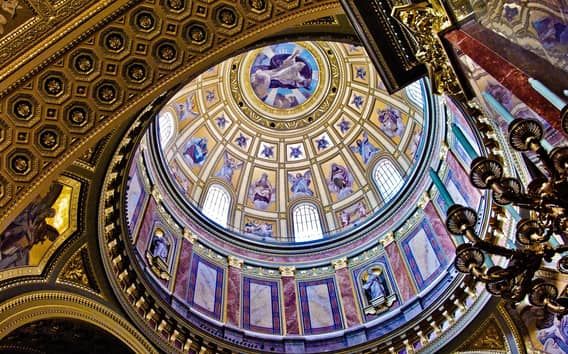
<point>292,123</point>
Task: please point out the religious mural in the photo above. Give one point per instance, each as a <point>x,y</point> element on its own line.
<point>261,192</point>
<point>340,181</point>
<point>230,165</point>
<point>284,75</point>
<point>300,184</point>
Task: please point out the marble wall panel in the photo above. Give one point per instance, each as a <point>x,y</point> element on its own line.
<point>400,270</point>
<point>136,196</point>
<point>290,305</point>
<point>424,254</point>
<point>149,218</point>
<point>205,287</point>
<point>350,308</point>
<point>184,266</point>
<point>233,296</point>
<point>261,306</point>
<point>320,307</point>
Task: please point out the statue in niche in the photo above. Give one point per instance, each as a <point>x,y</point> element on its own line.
<point>229,166</point>
<point>29,229</point>
<point>157,255</point>
<point>377,292</point>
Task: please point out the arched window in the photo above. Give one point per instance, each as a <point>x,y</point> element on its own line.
<point>414,93</point>
<point>307,225</point>
<point>166,128</point>
<point>217,203</point>
<point>387,178</point>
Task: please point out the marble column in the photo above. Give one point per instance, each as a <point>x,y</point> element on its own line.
<point>347,292</point>
<point>512,66</point>
<point>233,309</point>
<point>399,269</point>
<point>292,324</point>
<point>184,265</point>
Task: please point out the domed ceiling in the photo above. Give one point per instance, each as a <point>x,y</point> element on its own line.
<point>289,125</point>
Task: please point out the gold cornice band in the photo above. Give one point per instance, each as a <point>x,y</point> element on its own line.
<point>40,305</point>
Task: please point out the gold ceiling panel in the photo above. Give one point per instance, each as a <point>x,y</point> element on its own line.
<point>64,97</point>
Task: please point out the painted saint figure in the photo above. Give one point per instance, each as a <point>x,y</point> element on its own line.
<point>391,123</point>
<point>261,192</point>
<point>365,148</point>
<point>259,229</point>
<point>374,284</point>
<point>340,181</point>
<point>229,166</point>
<point>197,150</point>
<point>300,184</point>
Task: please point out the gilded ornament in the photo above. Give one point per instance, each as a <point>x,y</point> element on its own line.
<point>137,72</point>
<point>77,116</point>
<point>287,271</point>
<point>21,164</point>
<point>167,52</point>
<point>84,64</point>
<point>175,4</point>
<point>114,42</point>
<point>425,21</point>
<point>23,109</point>
<point>145,21</point>
<point>107,93</point>
<point>227,17</point>
<point>257,4</point>
<point>197,33</point>
<point>48,139</point>
<point>53,86</point>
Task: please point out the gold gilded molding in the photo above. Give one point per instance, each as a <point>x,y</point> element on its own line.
<point>235,262</point>
<point>488,337</point>
<point>49,86</point>
<point>339,263</point>
<point>40,305</point>
<point>74,270</point>
<point>425,20</point>
<point>287,271</point>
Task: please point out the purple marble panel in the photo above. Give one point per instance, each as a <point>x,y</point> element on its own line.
<point>233,296</point>
<point>400,271</point>
<point>261,306</point>
<point>182,276</point>
<point>146,227</point>
<point>290,305</point>
<point>440,230</point>
<point>350,308</point>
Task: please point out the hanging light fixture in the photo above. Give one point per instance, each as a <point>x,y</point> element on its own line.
<point>545,199</point>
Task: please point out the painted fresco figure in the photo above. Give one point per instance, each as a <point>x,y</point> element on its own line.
<point>261,192</point>
<point>197,150</point>
<point>229,166</point>
<point>300,184</point>
<point>391,123</point>
<point>29,229</point>
<point>259,229</point>
<point>365,148</point>
<point>340,181</point>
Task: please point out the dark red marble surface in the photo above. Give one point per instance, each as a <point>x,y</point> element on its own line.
<point>290,305</point>
<point>400,272</point>
<point>350,308</point>
<point>182,276</point>
<point>234,296</point>
<point>505,72</point>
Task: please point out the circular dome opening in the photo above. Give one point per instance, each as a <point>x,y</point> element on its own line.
<point>294,142</point>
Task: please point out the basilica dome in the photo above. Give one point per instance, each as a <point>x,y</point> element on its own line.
<point>294,142</point>
<point>283,201</point>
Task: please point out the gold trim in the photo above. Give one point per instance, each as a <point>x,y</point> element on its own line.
<point>40,305</point>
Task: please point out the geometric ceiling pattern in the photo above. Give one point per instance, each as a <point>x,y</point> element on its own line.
<point>290,124</point>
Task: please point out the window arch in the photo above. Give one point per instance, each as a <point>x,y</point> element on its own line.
<point>306,221</point>
<point>166,128</point>
<point>216,205</point>
<point>414,93</point>
<point>387,179</point>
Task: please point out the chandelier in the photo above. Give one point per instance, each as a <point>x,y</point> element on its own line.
<point>544,200</point>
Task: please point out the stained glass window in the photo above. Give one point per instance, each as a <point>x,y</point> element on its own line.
<point>216,206</point>
<point>387,178</point>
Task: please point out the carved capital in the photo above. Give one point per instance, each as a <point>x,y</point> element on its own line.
<point>235,262</point>
<point>339,263</point>
<point>287,271</point>
<point>388,239</point>
<point>190,236</point>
